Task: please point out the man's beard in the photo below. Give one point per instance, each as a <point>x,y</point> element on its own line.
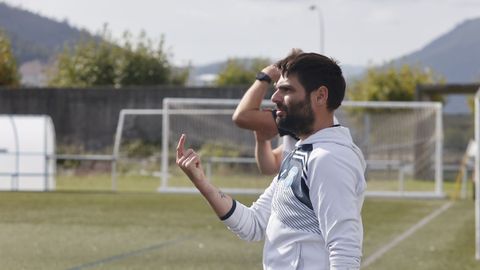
<point>299,118</point>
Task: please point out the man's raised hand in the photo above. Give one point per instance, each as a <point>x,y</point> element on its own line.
<point>189,162</point>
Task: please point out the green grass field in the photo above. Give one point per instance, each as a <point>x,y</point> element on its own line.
<point>238,179</point>
<point>132,230</point>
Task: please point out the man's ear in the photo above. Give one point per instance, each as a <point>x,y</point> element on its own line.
<point>320,96</point>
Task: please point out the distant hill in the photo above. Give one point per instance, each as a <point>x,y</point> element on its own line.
<point>456,54</point>
<point>35,37</point>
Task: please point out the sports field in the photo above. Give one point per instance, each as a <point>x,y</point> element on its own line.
<point>132,230</point>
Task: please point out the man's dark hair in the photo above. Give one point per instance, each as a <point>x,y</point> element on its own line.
<point>294,53</point>
<point>314,70</point>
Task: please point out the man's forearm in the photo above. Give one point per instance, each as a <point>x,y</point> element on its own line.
<point>251,101</point>
<point>265,158</point>
<point>220,202</point>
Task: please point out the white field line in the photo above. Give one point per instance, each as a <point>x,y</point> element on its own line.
<point>379,253</point>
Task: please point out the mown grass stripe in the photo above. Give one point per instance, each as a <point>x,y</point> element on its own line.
<point>129,254</point>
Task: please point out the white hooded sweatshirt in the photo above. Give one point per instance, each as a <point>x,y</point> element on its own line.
<point>309,216</point>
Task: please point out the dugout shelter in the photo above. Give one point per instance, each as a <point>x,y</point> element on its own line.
<point>27,153</point>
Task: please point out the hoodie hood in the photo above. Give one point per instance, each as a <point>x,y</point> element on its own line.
<point>338,135</point>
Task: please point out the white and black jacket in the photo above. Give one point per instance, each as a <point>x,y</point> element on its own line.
<point>309,216</point>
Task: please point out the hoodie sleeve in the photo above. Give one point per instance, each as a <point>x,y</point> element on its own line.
<point>250,223</point>
<point>337,204</point>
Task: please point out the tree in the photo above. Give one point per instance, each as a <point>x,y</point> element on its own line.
<point>90,63</point>
<point>240,72</point>
<point>143,64</point>
<point>391,83</point>
<point>9,75</point>
<point>102,62</point>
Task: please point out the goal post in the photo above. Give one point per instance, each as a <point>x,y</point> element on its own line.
<point>401,141</point>
<point>119,134</point>
<point>477,175</point>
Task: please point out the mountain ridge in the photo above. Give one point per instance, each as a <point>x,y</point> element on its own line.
<point>455,54</point>
<point>35,37</point>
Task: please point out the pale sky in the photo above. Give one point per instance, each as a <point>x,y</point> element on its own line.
<point>357,32</point>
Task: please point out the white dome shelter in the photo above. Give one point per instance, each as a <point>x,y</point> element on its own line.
<point>27,153</point>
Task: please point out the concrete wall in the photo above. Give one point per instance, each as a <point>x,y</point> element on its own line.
<point>87,118</point>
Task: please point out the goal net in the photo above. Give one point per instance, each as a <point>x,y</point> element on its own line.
<point>401,141</point>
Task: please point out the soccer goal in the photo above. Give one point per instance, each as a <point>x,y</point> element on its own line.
<point>401,141</point>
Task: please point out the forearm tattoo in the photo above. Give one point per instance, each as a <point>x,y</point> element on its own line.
<point>222,195</point>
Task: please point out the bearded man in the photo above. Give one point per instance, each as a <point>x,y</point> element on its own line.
<point>309,216</point>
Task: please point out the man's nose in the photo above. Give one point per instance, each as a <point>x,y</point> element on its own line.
<point>276,97</point>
